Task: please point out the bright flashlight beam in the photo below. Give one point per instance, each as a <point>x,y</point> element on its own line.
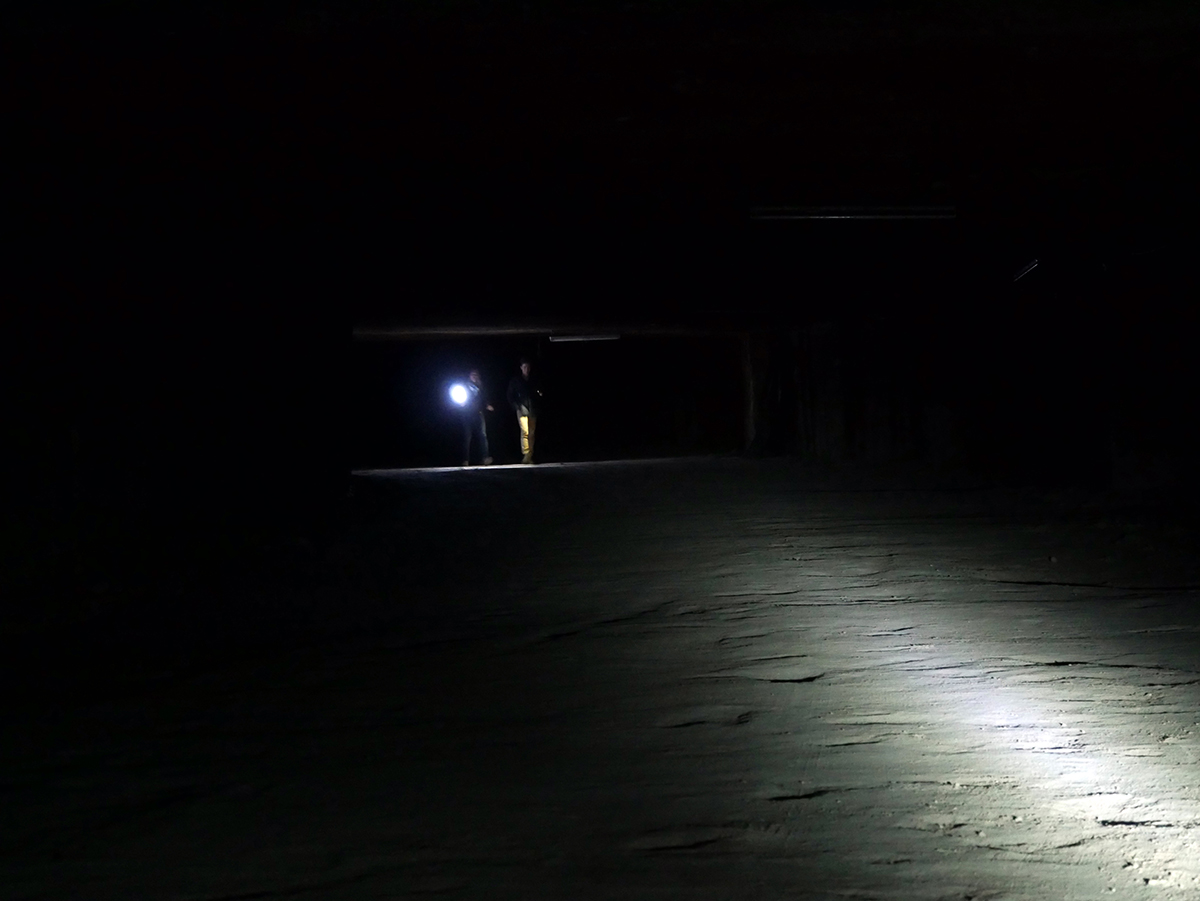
<point>565,338</point>
<point>458,394</point>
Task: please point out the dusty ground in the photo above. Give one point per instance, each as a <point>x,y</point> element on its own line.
<point>706,679</point>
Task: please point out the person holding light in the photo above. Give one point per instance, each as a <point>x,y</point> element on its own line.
<point>474,425</point>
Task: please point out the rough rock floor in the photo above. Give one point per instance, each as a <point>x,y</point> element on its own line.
<point>707,679</point>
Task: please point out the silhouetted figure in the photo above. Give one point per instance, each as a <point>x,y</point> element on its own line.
<point>523,395</point>
<point>473,422</point>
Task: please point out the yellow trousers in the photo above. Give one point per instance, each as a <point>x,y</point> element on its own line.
<point>528,425</point>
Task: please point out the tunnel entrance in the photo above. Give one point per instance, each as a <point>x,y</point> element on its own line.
<point>635,394</point>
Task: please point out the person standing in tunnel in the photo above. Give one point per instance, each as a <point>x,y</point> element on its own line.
<point>474,424</point>
<point>523,395</point>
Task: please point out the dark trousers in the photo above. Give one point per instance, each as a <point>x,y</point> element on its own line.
<point>475,428</point>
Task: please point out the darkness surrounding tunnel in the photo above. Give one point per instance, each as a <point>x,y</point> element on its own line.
<point>252,242</point>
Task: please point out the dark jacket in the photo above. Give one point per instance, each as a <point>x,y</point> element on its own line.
<point>523,395</point>
<point>475,399</point>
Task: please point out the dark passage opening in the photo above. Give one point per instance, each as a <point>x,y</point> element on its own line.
<point>637,396</point>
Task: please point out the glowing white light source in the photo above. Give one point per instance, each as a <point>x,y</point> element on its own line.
<point>458,394</point>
